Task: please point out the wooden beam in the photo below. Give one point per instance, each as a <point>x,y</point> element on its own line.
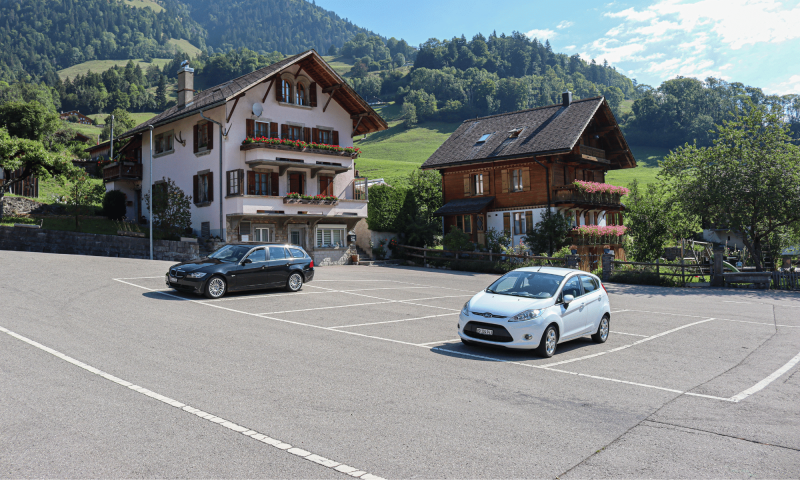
<point>234,107</point>
<point>329,97</point>
<point>298,72</point>
<point>359,115</point>
<point>268,89</point>
<point>332,88</point>
<point>357,124</point>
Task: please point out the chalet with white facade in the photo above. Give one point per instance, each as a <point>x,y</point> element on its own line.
<point>267,156</point>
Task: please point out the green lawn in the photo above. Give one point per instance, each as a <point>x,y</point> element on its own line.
<point>339,64</point>
<point>97,66</point>
<point>184,46</point>
<point>647,168</point>
<point>87,225</point>
<point>394,153</point>
<point>50,187</point>
<point>88,130</point>
<point>145,4</point>
<point>138,117</point>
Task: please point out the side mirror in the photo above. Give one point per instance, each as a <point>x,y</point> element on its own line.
<point>567,299</point>
<point>246,261</point>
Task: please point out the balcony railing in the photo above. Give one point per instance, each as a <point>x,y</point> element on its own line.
<point>126,171</point>
<point>334,152</point>
<point>570,194</point>
<point>592,152</point>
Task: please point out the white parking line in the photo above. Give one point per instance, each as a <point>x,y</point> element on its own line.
<point>646,339</point>
<point>266,295</point>
<point>763,303</point>
<point>631,334</point>
<point>324,308</point>
<point>396,321</point>
<point>763,383</point>
<point>440,341</point>
<point>200,413</point>
<point>720,319</point>
<point>139,278</point>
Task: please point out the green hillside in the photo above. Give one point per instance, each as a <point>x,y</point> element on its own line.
<point>98,66</point>
<point>184,46</point>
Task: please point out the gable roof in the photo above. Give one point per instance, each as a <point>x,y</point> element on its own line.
<point>309,61</point>
<point>546,130</point>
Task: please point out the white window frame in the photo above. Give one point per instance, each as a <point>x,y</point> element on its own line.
<point>258,232</point>
<point>320,236</point>
<point>234,182</point>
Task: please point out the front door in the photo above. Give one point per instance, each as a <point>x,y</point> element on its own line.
<point>572,315</point>
<point>279,266</point>
<point>298,237</point>
<point>480,228</point>
<point>255,273</point>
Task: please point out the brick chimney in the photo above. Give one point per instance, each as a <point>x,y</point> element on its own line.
<point>566,98</point>
<point>185,84</point>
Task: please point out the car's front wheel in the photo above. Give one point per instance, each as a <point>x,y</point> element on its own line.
<point>602,330</point>
<point>216,287</point>
<point>547,347</point>
<point>295,282</point>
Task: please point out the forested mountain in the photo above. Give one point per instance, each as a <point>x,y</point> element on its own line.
<point>288,26</point>
<point>39,37</point>
<point>683,110</point>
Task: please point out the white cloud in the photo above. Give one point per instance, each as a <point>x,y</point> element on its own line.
<point>631,14</point>
<point>541,34</point>
<point>792,85</point>
<point>570,47</point>
<point>565,24</point>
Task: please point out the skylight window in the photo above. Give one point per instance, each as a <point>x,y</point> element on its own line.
<point>484,137</point>
<point>515,132</point>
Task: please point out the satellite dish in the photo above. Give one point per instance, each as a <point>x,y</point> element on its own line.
<point>257,109</point>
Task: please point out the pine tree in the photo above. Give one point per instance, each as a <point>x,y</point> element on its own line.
<point>161,93</point>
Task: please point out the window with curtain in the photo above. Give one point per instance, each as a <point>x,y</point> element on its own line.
<point>477,184</point>
<point>519,223</point>
<point>261,129</point>
<point>261,234</point>
<point>325,137</point>
<point>261,181</point>
<point>516,180</point>
<point>203,192</point>
<point>294,133</point>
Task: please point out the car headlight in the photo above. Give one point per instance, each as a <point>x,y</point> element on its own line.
<point>465,309</point>
<point>526,315</point>
<point>196,275</point>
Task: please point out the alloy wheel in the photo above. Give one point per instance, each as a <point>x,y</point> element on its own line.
<point>604,329</point>
<point>550,342</point>
<point>216,287</point>
<point>295,282</point>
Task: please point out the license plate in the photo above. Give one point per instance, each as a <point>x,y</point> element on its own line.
<point>484,331</point>
<point>173,279</point>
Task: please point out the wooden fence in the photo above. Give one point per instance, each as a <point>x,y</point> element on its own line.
<point>660,269</point>
<point>428,254</point>
<point>786,280</point>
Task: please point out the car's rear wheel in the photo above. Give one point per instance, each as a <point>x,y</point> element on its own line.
<point>547,347</point>
<point>216,287</point>
<point>295,282</point>
<point>602,330</point>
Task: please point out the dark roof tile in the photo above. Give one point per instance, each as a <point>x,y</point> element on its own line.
<point>464,205</point>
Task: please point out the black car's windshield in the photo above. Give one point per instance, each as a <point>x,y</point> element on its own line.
<point>526,284</point>
<point>231,253</point>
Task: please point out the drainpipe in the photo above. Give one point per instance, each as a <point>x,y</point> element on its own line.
<point>111,142</point>
<point>222,235</point>
<point>547,181</point>
<point>150,189</point>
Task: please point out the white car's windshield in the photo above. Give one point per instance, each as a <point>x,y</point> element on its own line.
<point>230,253</point>
<point>526,284</point>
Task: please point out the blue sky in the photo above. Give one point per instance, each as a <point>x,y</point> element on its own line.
<point>756,42</point>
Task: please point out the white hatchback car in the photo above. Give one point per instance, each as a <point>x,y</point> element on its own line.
<point>537,308</point>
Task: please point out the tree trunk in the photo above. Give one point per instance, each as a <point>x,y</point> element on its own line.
<point>2,194</point>
<point>754,248</point>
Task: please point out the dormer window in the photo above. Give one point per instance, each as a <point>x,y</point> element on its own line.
<point>515,132</point>
<point>484,137</point>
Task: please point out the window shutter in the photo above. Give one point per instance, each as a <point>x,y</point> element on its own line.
<point>240,176</point>
<point>251,128</point>
<point>487,183</point>
<point>279,91</point>
<point>251,182</point>
<point>228,182</point>
<point>504,174</point>
<point>195,131</point>
<point>284,131</point>
<point>467,190</point>
<point>312,94</point>
<point>335,137</point>
<point>275,179</point>
<point>507,222</point>
<point>210,130</point>
<point>315,135</point>
<point>528,221</point>
<point>196,186</point>
<point>307,135</point>
<point>210,186</point>
<point>526,179</point>
<point>273,130</point>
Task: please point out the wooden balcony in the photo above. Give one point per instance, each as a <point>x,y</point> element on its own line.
<point>569,195</point>
<point>592,152</point>
<point>124,171</point>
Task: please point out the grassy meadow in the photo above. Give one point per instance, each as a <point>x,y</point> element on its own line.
<point>155,7</point>
<point>97,66</point>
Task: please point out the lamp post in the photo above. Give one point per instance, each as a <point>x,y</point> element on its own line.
<point>150,190</point>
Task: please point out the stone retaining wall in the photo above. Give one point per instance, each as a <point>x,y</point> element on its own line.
<point>76,243</point>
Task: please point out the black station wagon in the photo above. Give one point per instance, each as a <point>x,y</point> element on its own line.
<point>237,267</point>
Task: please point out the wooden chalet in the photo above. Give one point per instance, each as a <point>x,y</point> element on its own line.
<point>503,171</point>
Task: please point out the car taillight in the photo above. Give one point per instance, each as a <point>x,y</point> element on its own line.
<point>604,288</point>
<point>312,264</point>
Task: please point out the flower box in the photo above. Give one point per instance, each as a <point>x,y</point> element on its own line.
<point>298,145</point>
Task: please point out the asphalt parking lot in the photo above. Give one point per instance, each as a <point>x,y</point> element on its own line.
<point>107,373</point>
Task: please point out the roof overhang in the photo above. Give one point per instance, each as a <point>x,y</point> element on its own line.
<point>463,206</point>
<point>299,216</point>
<point>284,165</point>
<point>496,159</point>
